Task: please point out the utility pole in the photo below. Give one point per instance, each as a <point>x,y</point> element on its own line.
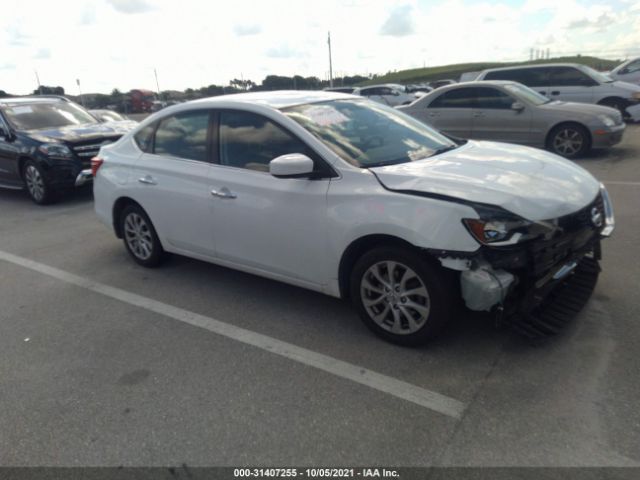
<point>157,84</point>
<point>38,81</point>
<point>330,66</point>
<point>530,54</point>
<point>80,91</point>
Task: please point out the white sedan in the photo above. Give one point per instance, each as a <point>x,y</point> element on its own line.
<point>357,200</point>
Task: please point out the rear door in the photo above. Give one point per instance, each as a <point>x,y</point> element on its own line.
<point>171,181</point>
<point>450,112</point>
<point>570,85</point>
<point>494,119</point>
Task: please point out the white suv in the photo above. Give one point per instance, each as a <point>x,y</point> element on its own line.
<point>573,83</point>
<point>357,200</point>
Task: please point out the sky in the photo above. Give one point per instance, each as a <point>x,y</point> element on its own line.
<point>109,44</point>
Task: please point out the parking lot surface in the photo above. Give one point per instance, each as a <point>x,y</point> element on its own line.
<point>105,363</point>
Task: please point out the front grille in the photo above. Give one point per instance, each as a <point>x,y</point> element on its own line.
<point>87,151</point>
<point>575,235</point>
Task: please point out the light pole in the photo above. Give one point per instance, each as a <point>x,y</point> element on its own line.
<point>330,66</point>
<point>80,91</point>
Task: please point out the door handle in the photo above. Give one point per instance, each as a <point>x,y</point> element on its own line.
<point>478,114</point>
<point>223,193</point>
<point>433,114</point>
<point>147,180</point>
<point>542,92</point>
<point>555,92</point>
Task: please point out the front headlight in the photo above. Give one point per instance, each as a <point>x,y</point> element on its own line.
<point>56,150</point>
<point>609,218</point>
<point>608,121</point>
<point>635,95</point>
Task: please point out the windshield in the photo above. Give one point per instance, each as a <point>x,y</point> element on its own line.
<point>35,116</point>
<point>368,134</point>
<point>597,76</point>
<point>526,93</point>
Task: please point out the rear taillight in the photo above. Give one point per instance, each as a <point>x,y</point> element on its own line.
<point>96,162</point>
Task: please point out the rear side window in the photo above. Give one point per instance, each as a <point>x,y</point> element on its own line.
<point>458,98</point>
<point>183,135</point>
<point>531,77</point>
<point>492,98</point>
<point>569,77</point>
<point>251,141</point>
<point>144,138</point>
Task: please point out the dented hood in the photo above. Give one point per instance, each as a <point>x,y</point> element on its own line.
<point>532,183</point>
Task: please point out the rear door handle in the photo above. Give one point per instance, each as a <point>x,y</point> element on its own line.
<point>555,92</point>
<point>147,180</point>
<point>433,114</point>
<point>223,193</point>
<point>478,114</point>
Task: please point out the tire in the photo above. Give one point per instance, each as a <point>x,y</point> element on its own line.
<point>569,140</point>
<point>36,184</point>
<point>410,319</point>
<point>140,237</point>
<point>617,103</point>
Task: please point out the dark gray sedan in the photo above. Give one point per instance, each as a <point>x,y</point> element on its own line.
<point>511,112</point>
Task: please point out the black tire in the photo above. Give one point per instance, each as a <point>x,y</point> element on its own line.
<point>140,237</point>
<point>396,327</point>
<point>569,140</point>
<point>617,103</point>
<point>36,185</point>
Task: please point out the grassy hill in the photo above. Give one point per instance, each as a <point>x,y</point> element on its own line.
<point>454,71</point>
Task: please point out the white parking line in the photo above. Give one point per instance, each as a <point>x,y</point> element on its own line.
<point>406,391</point>
<point>616,182</point>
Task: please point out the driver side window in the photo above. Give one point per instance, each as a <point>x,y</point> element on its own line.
<point>251,141</point>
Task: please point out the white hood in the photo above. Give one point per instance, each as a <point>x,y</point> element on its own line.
<point>532,183</point>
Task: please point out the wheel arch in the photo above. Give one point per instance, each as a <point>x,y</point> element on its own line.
<point>118,207</point>
<point>359,247</point>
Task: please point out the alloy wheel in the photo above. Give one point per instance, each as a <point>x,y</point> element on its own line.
<point>35,183</point>
<point>568,142</point>
<point>395,297</point>
<point>138,236</point>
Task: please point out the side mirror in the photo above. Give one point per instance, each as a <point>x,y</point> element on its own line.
<point>292,165</point>
<point>517,106</point>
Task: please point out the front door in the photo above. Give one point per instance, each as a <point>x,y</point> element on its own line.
<point>495,119</point>
<point>272,224</point>
<point>450,112</point>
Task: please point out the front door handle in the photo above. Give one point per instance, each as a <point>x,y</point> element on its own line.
<point>478,114</point>
<point>223,193</point>
<point>147,180</point>
<point>555,92</point>
<point>542,92</point>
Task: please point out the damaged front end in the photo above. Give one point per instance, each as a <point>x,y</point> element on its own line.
<point>534,275</point>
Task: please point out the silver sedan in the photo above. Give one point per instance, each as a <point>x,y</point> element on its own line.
<point>510,112</point>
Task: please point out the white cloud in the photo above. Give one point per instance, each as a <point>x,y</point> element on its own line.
<point>131,6</point>
<point>399,23</point>
<point>244,30</point>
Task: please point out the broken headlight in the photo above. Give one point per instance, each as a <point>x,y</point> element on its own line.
<point>499,227</point>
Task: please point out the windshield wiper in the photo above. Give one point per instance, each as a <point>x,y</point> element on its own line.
<point>440,150</point>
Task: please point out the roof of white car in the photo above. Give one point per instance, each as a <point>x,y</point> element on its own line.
<point>278,99</point>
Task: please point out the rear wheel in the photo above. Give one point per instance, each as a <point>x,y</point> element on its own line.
<point>400,296</point>
<point>569,140</point>
<point>35,183</point>
<point>140,238</point>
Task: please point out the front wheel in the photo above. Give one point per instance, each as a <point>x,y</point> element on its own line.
<point>400,296</point>
<point>569,140</point>
<point>140,238</point>
<point>35,182</point>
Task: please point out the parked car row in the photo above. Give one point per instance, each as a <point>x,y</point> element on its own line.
<point>360,201</point>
